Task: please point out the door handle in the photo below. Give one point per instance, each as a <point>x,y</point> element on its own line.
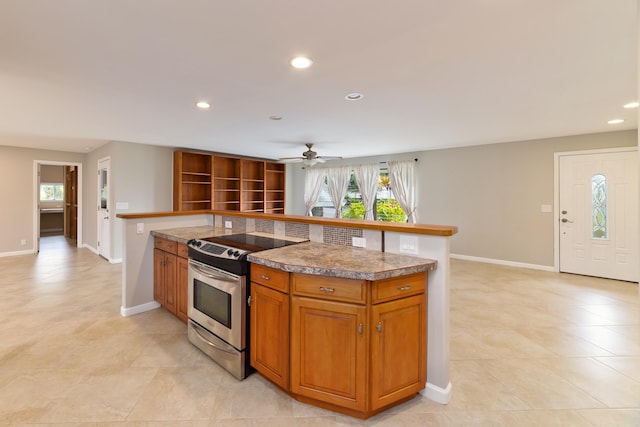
<point>566,220</point>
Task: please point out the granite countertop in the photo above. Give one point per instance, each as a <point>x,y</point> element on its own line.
<point>316,258</point>
<point>184,234</point>
<point>341,261</point>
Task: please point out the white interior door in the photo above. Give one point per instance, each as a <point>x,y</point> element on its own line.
<point>599,214</point>
<point>104,217</point>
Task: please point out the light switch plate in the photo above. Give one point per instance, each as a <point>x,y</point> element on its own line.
<point>140,228</point>
<point>409,245</point>
<point>228,224</point>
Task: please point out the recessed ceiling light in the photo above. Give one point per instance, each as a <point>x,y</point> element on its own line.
<point>301,62</point>
<point>276,118</point>
<point>615,121</point>
<point>204,105</point>
<point>355,96</point>
<point>632,105</point>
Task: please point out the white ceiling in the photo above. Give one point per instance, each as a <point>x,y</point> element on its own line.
<point>75,74</point>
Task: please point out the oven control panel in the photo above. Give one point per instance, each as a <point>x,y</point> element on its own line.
<point>216,250</point>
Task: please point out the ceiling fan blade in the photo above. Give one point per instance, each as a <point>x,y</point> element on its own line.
<point>325,158</point>
<point>291,159</point>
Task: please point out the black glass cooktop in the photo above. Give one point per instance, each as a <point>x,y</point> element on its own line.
<point>250,241</point>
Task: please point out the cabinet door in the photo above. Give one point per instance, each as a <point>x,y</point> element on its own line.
<point>270,334</point>
<point>328,352</point>
<point>170,274</point>
<point>158,276</point>
<point>398,349</point>
<point>182,288</point>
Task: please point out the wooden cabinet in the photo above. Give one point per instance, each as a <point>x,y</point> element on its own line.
<point>329,352</point>
<point>182,286</point>
<point>170,276</point>
<point>352,346</point>
<point>209,181</point>
<point>398,350</point>
<point>270,324</point>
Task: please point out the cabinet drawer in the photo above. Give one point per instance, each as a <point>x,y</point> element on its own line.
<point>166,245</point>
<point>183,250</point>
<point>398,287</point>
<point>330,288</point>
<point>270,277</point>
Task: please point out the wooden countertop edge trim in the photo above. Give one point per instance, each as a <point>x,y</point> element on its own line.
<point>430,229</point>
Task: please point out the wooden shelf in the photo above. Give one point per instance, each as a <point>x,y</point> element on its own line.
<point>209,181</point>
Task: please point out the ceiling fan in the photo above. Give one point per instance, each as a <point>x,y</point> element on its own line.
<point>309,157</point>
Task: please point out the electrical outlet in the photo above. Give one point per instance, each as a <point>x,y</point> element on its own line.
<point>23,242</point>
<point>359,242</point>
<point>228,224</point>
<point>409,245</point>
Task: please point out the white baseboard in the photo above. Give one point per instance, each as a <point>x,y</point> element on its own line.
<point>130,311</point>
<point>25,252</point>
<point>116,261</point>
<point>503,262</point>
<point>437,394</point>
<point>91,248</point>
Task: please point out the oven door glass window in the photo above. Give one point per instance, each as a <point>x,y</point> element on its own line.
<point>213,302</point>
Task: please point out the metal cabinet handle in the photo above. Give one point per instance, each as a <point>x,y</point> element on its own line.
<point>360,329</point>
<point>379,327</point>
<point>329,290</point>
<point>263,277</point>
<point>404,288</point>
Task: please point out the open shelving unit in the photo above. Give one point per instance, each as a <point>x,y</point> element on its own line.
<point>226,183</point>
<point>274,186</point>
<point>252,184</point>
<point>192,181</point>
<point>210,181</point>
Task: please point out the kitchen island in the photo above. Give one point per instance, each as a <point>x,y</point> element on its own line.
<point>339,327</point>
<point>426,241</point>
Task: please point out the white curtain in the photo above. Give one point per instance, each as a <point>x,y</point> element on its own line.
<point>402,181</point>
<point>368,177</point>
<point>338,181</point>
<point>313,179</point>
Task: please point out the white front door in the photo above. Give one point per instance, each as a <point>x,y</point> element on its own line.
<point>104,236</point>
<point>599,214</point>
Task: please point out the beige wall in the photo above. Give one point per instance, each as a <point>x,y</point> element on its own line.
<point>141,176</point>
<point>493,193</point>
<point>17,185</point>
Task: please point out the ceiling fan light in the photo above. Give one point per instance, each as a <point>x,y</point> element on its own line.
<point>310,162</point>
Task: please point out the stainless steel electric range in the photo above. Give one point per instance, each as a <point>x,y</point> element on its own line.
<point>218,291</point>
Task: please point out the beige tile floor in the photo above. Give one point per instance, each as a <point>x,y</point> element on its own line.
<point>528,348</point>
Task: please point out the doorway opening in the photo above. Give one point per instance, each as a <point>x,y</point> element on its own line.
<point>57,202</point>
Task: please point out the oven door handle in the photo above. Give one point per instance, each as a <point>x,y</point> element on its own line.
<point>206,341</point>
<point>211,274</point>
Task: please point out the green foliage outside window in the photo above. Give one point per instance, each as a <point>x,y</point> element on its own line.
<point>51,192</point>
<point>386,210</point>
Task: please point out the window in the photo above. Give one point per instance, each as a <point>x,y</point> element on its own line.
<point>51,192</point>
<point>599,206</point>
<point>387,208</point>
